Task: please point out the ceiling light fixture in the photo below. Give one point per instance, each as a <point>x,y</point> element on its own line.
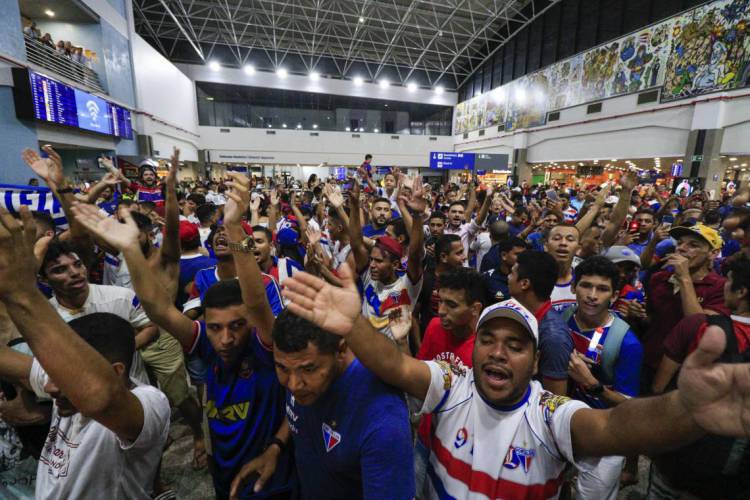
<point>358,81</point>
<point>315,125</point>
<point>214,66</point>
<point>249,69</point>
<point>384,83</point>
<point>50,13</point>
<point>282,73</point>
<point>315,76</point>
<point>439,90</point>
<point>283,125</point>
<point>411,86</point>
<point>376,130</point>
<point>361,19</point>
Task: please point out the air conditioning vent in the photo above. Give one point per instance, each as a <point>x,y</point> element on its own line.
<point>433,138</point>
<point>594,108</point>
<point>224,130</point>
<point>647,97</point>
<point>270,132</point>
<point>501,128</point>
<point>553,117</point>
<point>481,133</point>
<point>466,135</point>
<point>314,134</point>
<point>355,136</point>
<point>395,137</point>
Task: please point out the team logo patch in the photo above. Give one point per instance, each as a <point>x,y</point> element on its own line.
<point>549,403</point>
<point>330,437</point>
<point>462,436</point>
<point>519,457</point>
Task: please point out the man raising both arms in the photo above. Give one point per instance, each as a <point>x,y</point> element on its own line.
<point>107,432</point>
<point>496,407</point>
<point>245,405</point>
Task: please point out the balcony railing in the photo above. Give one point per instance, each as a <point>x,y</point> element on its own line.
<point>49,58</point>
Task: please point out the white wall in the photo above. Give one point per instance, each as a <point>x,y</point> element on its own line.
<point>337,148</point>
<point>168,95</point>
<point>203,73</point>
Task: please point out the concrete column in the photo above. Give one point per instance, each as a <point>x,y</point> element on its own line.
<point>703,158</point>
<point>520,168</point>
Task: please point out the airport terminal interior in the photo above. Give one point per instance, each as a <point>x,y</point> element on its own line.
<point>383,249</point>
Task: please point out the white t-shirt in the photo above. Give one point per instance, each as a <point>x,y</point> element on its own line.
<point>381,301</point>
<point>116,272</point>
<point>481,245</point>
<point>115,300</point>
<point>466,231</point>
<point>519,451</point>
<point>82,459</point>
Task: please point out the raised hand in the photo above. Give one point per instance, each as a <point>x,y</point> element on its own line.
<point>415,201</point>
<point>601,197</point>
<point>117,234</point>
<point>43,167</point>
<point>313,235</point>
<point>274,198</point>
<point>628,182</point>
<point>174,165</point>
<point>17,263</point>
<point>255,204</point>
<point>238,197</point>
<point>335,198</point>
<point>110,179</point>
<point>716,394</point>
<point>332,308</point>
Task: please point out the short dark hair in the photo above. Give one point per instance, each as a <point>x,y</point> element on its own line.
<point>292,333</point>
<point>205,212</point>
<point>142,221</point>
<point>368,156</point>
<point>740,269</point>
<point>645,210</point>
<point>110,335</point>
<point>223,294</point>
<point>598,265</point>
<point>148,204</point>
<point>437,214</point>
<point>541,269</point>
<point>711,217</point>
<point>499,230</point>
<point>444,243</point>
<point>463,205</point>
<point>399,228</point>
<point>509,244</point>
<point>55,250</point>
<point>43,219</point>
<point>197,198</point>
<point>381,200</point>
<point>468,280</point>
<point>267,232</point>
<point>333,213</point>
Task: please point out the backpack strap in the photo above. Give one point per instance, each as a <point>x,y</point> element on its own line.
<point>731,352</point>
<point>611,351</point>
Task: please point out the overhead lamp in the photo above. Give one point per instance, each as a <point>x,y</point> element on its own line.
<point>361,130</point>
<point>282,73</point>
<point>249,69</point>
<point>214,66</point>
<point>384,83</point>
<point>348,129</point>
<point>50,13</point>
<point>361,19</point>
<point>411,86</point>
<point>209,98</point>
<point>315,125</point>
<point>439,90</point>
<point>743,165</point>
<point>358,81</point>
<point>733,159</point>
<point>269,125</point>
<point>314,76</point>
<point>283,125</point>
<point>376,130</point>
<point>299,126</point>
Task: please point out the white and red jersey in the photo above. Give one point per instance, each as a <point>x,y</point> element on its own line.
<point>479,450</point>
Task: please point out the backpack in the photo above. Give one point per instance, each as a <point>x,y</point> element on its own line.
<point>611,349</point>
<point>714,466</point>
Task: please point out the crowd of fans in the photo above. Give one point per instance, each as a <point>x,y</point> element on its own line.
<point>62,47</point>
<point>375,337</point>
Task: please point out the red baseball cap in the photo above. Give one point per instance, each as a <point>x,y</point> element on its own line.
<point>388,244</point>
<point>247,227</point>
<point>188,231</point>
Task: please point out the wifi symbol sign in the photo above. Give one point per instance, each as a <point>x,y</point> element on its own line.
<point>93,110</point>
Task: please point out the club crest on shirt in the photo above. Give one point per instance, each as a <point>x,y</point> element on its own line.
<point>330,437</point>
<point>449,370</point>
<point>549,403</point>
<point>462,436</point>
<point>519,457</point>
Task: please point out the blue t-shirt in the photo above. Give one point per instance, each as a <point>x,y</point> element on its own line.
<point>627,371</point>
<point>244,407</point>
<point>205,278</point>
<point>189,266</point>
<point>555,346</point>
<point>491,259</point>
<point>354,441</point>
<point>536,240</point>
<point>497,284</point>
<point>369,231</point>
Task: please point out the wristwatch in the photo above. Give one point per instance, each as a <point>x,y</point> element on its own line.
<point>244,246</point>
<point>595,389</point>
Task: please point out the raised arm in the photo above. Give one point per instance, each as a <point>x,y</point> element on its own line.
<point>81,373</point>
<point>170,249</point>
<point>587,220</point>
<point>417,204</point>
<point>485,208</point>
<point>253,291</point>
<point>109,180</point>
<point>711,397</point>
<point>361,254</point>
<point>337,310</point>
<point>627,182</point>
<point>149,282</point>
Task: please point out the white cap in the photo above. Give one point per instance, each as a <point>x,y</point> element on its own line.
<point>511,309</point>
<point>620,253</point>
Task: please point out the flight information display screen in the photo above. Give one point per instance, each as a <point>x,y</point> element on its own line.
<point>55,102</point>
